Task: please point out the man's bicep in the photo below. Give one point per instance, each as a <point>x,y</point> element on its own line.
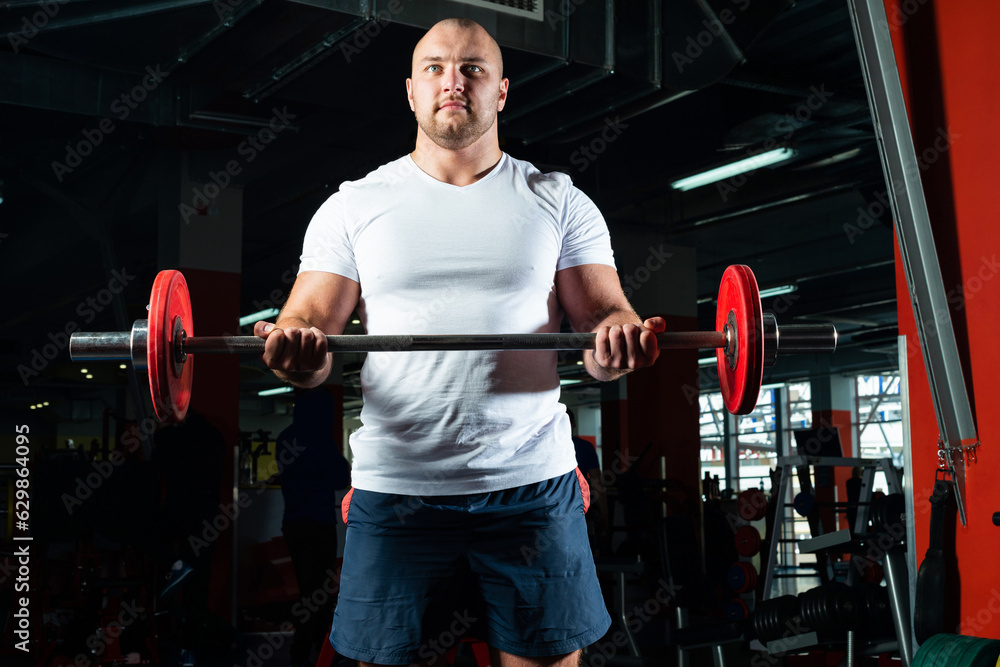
<point>589,293</point>
<point>323,300</point>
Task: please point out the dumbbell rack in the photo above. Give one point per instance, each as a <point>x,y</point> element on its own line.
<point>897,584</point>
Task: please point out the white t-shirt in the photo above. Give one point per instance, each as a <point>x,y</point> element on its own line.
<point>434,258</point>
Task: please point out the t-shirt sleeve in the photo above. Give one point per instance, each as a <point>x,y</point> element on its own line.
<point>327,245</point>
<point>585,233</point>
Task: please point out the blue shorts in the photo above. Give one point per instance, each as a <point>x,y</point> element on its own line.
<point>512,568</point>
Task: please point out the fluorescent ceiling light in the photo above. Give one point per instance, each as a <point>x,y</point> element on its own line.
<point>253,318</point>
<point>733,169</point>
<point>276,391</point>
<point>706,361</point>
<point>776,291</point>
<point>565,382</point>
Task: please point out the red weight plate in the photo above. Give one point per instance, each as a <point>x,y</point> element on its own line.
<point>169,311</point>
<point>747,541</point>
<point>737,609</point>
<point>742,577</point>
<point>741,384</point>
<point>751,505</point>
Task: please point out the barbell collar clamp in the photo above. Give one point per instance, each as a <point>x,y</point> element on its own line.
<point>112,345</point>
<point>732,348</point>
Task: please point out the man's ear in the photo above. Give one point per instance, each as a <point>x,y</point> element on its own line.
<point>409,93</point>
<point>504,83</point>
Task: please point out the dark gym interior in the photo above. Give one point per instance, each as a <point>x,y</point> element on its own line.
<point>202,135</point>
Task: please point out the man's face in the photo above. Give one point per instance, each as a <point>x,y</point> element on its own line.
<point>455,89</point>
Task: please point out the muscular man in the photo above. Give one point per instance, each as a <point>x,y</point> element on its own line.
<point>467,513</point>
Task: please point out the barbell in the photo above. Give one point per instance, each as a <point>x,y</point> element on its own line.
<point>746,340</point>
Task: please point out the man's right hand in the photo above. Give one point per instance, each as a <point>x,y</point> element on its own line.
<point>292,349</point>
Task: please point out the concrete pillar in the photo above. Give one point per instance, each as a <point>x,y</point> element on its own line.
<point>657,408</point>
<point>200,234</point>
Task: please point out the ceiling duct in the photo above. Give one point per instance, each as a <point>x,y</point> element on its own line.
<point>568,31</point>
<point>703,40</point>
<point>532,9</point>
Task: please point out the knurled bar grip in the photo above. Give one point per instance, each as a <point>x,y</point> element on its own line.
<point>794,338</point>
<point>117,346</point>
<point>407,343</point>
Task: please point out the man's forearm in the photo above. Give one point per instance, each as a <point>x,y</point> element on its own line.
<point>307,379</point>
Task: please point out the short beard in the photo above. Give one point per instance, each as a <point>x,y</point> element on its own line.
<point>455,137</point>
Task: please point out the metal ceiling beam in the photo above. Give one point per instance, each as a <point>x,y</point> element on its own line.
<point>134,11</point>
<point>56,85</point>
<point>784,85</point>
<point>752,209</point>
<point>226,21</point>
<point>303,62</point>
<point>73,88</point>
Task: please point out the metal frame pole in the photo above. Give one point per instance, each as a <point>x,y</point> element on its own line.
<point>916,239</point>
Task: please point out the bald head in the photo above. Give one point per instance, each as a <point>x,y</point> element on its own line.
<point>454,25</point>
<point>456,87</point>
